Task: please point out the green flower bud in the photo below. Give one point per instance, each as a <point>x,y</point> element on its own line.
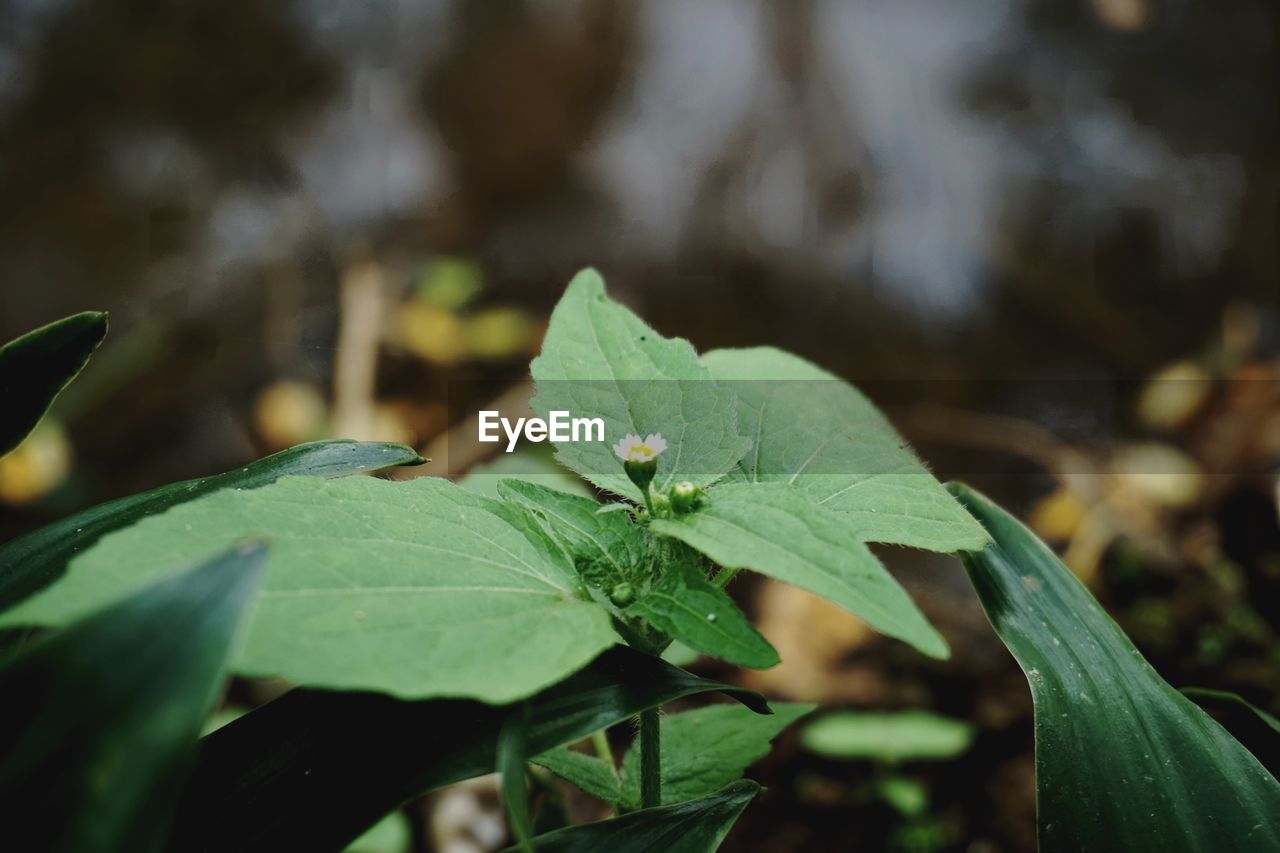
<point>622,594</point>
<point>685,497</point>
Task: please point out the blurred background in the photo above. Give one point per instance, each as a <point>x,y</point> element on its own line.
<point>1041,233</point>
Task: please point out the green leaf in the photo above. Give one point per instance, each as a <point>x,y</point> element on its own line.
<point>32,562</point>
<point>1123,761</point>
<point>37,366</point>
<point>418,588</point>
<point>820,435</point>
<point>774,530</point>
<point>100,722</point>
<point>694,827</point>
<point>589,773</point>
<point>523,464</point>
<point>513,754</point>
<point>709,747</point>
<point>600,360</point>
<point>610,540</point>
<point>315,768</point>
<point>688,607</point>
<point>888,737</point>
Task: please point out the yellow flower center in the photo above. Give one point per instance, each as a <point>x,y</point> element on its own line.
<point>640,448</point>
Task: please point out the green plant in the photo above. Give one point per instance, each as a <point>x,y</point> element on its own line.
<point>439,633</point>
<point>439,597</point>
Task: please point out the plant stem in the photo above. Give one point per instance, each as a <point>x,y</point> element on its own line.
<point>650,759</point>
<point>600,740</point>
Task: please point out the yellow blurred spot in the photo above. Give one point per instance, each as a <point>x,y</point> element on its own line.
<point>288,412</point>
<point>1057,516</point>
<point>1173,395</point>
<point>499,333</point>
<point>1157,474</point>
<point>36,466</point>
<point>432,333</point>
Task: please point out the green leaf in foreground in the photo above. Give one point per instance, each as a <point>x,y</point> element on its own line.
<point>600,360</point>
<point>100,722</point>
<point>589,773</point>
<point>709,747</point>
<point>693,827</point>
<point>32,562</point>
<point>1123,761</point>
<point>419,588</point>
<point>842,454</point>
<point>776,531</point>
<point>687,606</point>
<point>315,768</point>
<point>37,366</point>
<point>888,737</point>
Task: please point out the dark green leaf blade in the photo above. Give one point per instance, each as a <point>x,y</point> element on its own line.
<point>37,366</point>
<point>100,721</point>
<point>32,562</point>
<point>693,827</point>
<point>513,741</point>
<point>1123,761</point>
<point>688,607</point>
<point>315,768</point>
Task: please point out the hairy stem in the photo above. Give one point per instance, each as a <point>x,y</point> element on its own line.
<point>650,759</point>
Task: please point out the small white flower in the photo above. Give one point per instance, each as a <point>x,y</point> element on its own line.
<point>632,449</point>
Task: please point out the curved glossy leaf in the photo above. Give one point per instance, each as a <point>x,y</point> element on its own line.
<point>100,722</point>
<point>693,827</point>
<point>32,562</point>
<point>420,588</point>
<point>1123,761</point>
<point>37,366</point>
<point>600,360</point>
<point>772,529</point>
<point>315,768</point>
